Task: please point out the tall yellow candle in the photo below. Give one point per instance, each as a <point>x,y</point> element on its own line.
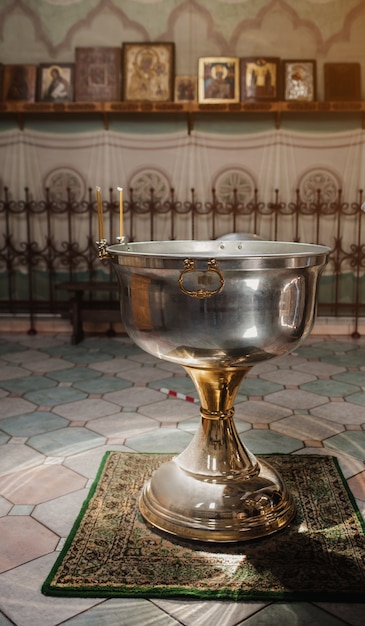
<point>99,201</point>
<point>121,229</point>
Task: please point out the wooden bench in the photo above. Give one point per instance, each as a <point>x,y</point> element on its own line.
<point>81,310</point>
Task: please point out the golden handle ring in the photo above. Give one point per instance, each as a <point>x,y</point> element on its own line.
<point>204,277</point>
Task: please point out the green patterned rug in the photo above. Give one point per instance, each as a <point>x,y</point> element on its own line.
<point>112,552</point>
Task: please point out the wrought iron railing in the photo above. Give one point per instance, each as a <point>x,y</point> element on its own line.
<point>45,242</point>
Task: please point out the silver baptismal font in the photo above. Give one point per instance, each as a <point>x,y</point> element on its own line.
<point>217,308</point>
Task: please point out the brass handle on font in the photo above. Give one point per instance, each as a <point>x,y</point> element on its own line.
<point>205,278</point>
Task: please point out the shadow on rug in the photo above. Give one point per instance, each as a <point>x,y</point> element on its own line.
<point>112,552</point>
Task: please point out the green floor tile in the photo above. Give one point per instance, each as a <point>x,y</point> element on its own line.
<point>8,347</point>
<point>293,614</point>
<point>313,352</point>
<point>268,442</point>
<point>31,424</point>
<point>74,374</point>
<point>66,441</point>
<point>355,358</point>
<point>102,385</point>
<point>351,442</point>
<point>161,440</point>
<point>352,377</point>
<point>357,398</point>
<point>259,387</point>
<point>54,396</point>
<point>329,388</point>
<point>28,383</point>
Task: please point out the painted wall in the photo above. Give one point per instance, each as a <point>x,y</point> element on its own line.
<point>47,30</point>
<point>307,151</point>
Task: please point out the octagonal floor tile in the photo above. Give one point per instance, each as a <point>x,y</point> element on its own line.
<point>268,442</point>
<point>351,377</point>
<point>313,351</point>
<point>258,387</point>
<point>15,457</point>
<point>350,442</point>
<point>111,366</point>
<point>123,425</point>
<point>306,427</point>
<point>12,371</point>
<point>64,350</point>
<point>48,365</point>
<point>87,357</point>
<point>170,410</point>
<point>41,341</point>
<point>143,374</point>
<point>340,412</point>
<point>23,539</point>
<point>340,345</point>
<point>133,397</point>
<point>329,388</point>
<point>55,396</point>
<point>28,607</point>
<point>191,425</point>
<point>28,383</point>
<point>16,406</point>
<point>144,357</point>
<point>181,384</point>
<point>357,486</point>
<point>66,441</point>
<point>287,360</point>
<point>296,399</point>
<point>87,463</point>
<point>161,440</point>
<point>116,346</point>
<point>86,410</point>
<point>264,366</point>
<point>298,614</point>
<point>102,385</point>
<point>349,466</point>
<point>357,398</point>
<point>102,343</point>
<point>8,347</point>
<point>318,368</point>
<point>5,507</point>
<point>59,514</point>
<point>260,412</point>
<point>31,424</point>
<point>173,368</point>
<point>288,377</point>
<point>23,357</point>
<point>39,484</point>
<point>354,358</point>
<point>74,374</point>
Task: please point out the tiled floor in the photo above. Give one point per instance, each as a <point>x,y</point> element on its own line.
<point>63,406</point>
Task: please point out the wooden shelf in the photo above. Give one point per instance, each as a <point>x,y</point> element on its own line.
<point>190,109</point>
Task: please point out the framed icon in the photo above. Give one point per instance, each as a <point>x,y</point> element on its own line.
<point>148,71</point>
<point>299,80</point>
<point>186,89</point>
<point>260,79</point>
<point>19,83</point>
<point>98,74</point>
<point>218,79</point>
<point>342,81</point>
<point>55,82</point>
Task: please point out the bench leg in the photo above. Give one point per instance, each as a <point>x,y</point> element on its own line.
<point>110,332</point>
<point>76,319</point>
